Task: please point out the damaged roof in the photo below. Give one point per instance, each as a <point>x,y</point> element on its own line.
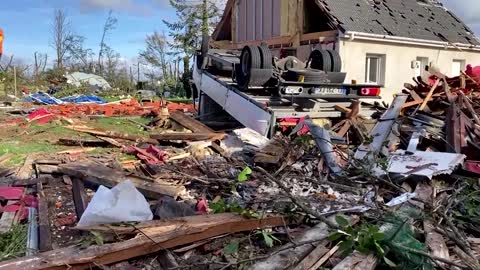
<point>419,19</point>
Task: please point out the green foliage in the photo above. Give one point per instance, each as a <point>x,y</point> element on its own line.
<point>244,175</point>
<point>466,210</point>
<point>13,244</point>
<point>231,248</point>
<point>268,238</point>
<point>222,207</point>
<point>365,238</point>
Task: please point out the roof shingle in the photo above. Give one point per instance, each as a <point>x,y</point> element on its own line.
<point>419,19</point>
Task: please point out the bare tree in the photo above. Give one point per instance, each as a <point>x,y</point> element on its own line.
<point>110,24</point>
<point>111,63</point>
<point>155,52</point>
<point>40,64</point>
<point>62,36</point>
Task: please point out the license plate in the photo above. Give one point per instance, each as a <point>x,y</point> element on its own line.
<point>330,91</point>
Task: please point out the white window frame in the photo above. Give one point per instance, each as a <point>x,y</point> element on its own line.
<point>380,77</point>
<point>462,66</point>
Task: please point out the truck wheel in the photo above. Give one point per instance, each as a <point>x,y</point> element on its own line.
<point>266,55</point>
<point>309,75</point>
<point>336,60</point>
<point>321,60</point>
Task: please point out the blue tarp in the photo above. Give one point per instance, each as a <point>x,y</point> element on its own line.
<point>84,99</point>
<point>45,98</point>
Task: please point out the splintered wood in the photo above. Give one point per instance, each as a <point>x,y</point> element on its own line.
<point>102,175</point>
<point>160,236</point>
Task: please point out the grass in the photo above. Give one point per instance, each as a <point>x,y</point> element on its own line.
<point>121,124</point>
<point>180,100</point>
<point>21,149</point>
<point>13,244</point>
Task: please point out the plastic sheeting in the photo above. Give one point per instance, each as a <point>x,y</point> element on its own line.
<point>94,81</point>
<point>45,98</point>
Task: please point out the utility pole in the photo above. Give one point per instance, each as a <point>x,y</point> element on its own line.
<point>138,72</point>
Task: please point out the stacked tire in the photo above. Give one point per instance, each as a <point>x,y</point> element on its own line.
<point>255,68</point>
<point>326,60</point>
<point>306,75</point>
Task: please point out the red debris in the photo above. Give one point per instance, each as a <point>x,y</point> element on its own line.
<point>66,221</point>
<point>288,123</point>
<point>11,193</point>
<point>151,155</point>
<point>40,116</point>
<point>202,206</point>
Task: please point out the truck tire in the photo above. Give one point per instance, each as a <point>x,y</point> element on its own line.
<point>321,60</point>
<point>336,60</point>
<point>266,55</point>
<point>309,75</point>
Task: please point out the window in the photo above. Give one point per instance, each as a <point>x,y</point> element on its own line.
<point>422,68</point>
<point>375,69</point>
<point>457,67</point>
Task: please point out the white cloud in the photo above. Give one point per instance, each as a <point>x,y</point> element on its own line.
<point>467,10</point>
<point>116,5</point>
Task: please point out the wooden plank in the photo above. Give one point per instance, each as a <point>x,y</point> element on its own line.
<point>102,175</point>
<point>429,95</point>
<point>188,136</point>
<point>381,130</point>
<point>26,170</point>
<point>325,257</point>
<point>47,169</point>
<point>358,261</point>
<point>6,157</point>
<point>310,260</point>
<point>44,233</point>
<point>288,257</point>
<point>192,229</point>
<point>190,123</point>
<point>7,219</point>
<point>111,134</point>
<point>79,197</point>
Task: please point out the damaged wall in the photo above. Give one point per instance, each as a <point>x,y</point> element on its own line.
<point>398,61</point>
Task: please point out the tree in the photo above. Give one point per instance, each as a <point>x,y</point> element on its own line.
<point>110,24</point>
<point>195,20</point>
<point>155,52</point>
<point>63,37</point>
<point>39,65</point>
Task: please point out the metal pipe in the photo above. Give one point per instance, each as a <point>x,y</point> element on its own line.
<point>32,239</point>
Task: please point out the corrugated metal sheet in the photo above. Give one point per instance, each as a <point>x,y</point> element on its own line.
<point>259,19</point>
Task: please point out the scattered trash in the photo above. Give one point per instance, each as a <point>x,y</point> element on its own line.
<point>123,203</point>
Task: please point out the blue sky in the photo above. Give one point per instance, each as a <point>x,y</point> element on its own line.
<point>27,23</point>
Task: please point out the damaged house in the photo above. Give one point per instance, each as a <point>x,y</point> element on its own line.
<point>380,42</point>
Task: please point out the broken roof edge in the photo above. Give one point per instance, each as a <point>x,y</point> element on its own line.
<point>226,12</point>
<point>352,35</point>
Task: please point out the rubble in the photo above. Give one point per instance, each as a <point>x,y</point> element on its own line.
<point>398,193</point>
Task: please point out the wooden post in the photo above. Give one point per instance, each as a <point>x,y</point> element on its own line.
<point>15,79</point>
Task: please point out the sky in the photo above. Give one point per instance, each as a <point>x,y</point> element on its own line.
<point>27,23</point>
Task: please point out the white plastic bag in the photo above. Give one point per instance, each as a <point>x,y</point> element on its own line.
<point>122,203</point>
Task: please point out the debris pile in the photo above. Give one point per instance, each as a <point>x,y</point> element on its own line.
<point>396,192</point>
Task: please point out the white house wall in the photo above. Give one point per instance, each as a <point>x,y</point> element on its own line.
<point>398,60</point>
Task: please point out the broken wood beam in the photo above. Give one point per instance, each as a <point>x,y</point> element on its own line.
<point>26,170</point>
<point>381,130</point>
<point>188,136</point>
<point>112,134</point>
<point>102,175</point>
<point>83,142</point>
<point>429,95</point>
<point>190,123</point>
<point>289,257</point>
<point>44,233</point>
<point>151,240</point>
<point>79,197</point>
